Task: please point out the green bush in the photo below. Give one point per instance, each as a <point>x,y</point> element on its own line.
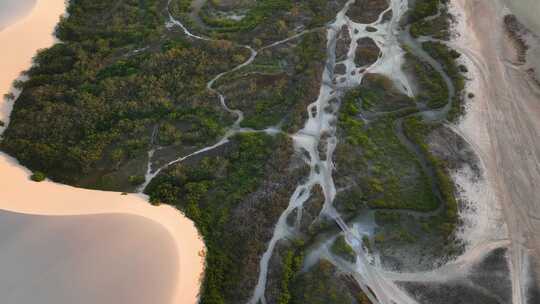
<point>342,249</point>
<point>38,176</point>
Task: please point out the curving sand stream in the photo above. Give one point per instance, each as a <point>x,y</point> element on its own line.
<point>58,241</point>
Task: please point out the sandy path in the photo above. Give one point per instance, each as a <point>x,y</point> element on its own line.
<point>507,107</point>
<point>19,194</point>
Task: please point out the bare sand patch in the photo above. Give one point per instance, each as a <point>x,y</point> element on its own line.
<point>504,124</point>
<point>14,10</point>
<point>86,259</point>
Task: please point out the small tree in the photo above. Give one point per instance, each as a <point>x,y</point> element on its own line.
<point>136,180</point>
<point>38,176</point>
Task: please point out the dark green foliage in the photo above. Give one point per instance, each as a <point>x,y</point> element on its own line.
<point>261,12</point>
<point>434,91</point>
<point>38,176</point>
<point>425,8</point>
<point>319,285</point>
<point>99,24</point>
<point>391,175</point>
<point>448,57</point>
<point>267,91</point>
<point>136,180</point>
<point>417,131</point>
<point>292,264</point>
<point>93,95</point>
<point>342,249</point>
<point>438,27</point>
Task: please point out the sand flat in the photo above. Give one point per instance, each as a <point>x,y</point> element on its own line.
<point>85,259</point>
<point>504,123</point>
<point>14,10</point>
<point>18,194</point>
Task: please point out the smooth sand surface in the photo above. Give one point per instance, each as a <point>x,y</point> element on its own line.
<point>85,259</point>
<point>20,42</point>
<point>14,10</point>
<point>18,194</point>
<point>504,122</point>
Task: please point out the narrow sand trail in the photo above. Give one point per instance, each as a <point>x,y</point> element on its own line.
<point>18,194</point>
<point>505,126</point>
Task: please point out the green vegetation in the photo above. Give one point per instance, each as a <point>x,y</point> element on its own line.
<point>262,11</point>
<point>38,176</point>
<point>417,131</point>
<point>425,8</point>
<point>90,104</point>
<point>211,192</point>
<point>277,87</point>
<point>136,180</point>
<point>255,22</point>
<point>437,27</point>
<point>384,217</point>
<point>433,88</point>
<point>447,57</point>
<point>342,249</point>
<point>320,286</point>
<point>378,94</point>
<point>292,264</point>
<point>389,175</point>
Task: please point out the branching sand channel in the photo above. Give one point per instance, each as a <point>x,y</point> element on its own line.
<point>322,122</point>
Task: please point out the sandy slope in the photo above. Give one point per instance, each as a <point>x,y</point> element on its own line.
<point>505,125</point>
<point>14,10</point>
<point>19,43</point>
<point>85,259</point>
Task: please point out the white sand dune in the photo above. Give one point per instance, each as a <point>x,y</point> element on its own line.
<point>21,41</point>
<point>18,194</point>
<point>14,10</point>
<point>85,259</point>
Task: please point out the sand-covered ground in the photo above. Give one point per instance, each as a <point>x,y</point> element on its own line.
<point>85,259</point>
<point>503,123</point>
<point>14,10</point>
<point>142,238</point>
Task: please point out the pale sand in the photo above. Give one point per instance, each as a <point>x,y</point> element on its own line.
<point>19,194</point>
<point>85,259</point>
<point>14,10</point>
<point>504,123</point>
<point>21,41</point>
